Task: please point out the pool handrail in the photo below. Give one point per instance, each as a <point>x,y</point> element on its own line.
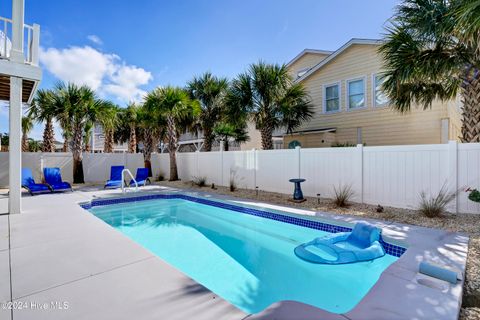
<point>124,186</point>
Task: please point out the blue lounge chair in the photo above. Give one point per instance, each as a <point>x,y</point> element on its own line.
<point>53,177</point>
<point>29,183</point>
<point>141,177</point>
<point>115,177</point>
<point>362,244</point>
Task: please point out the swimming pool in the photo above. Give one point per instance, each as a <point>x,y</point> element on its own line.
<point>244,255</point>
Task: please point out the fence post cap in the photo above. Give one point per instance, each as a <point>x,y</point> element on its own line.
<point>452,142</point>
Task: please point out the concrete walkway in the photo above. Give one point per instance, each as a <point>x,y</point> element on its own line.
<point>67,264</point>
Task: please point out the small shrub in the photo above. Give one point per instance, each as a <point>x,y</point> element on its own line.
<point>432,207</point>
<point>200,181</point>
<point>160,177</point>
<point>474,195</point>
<point>342,195</point>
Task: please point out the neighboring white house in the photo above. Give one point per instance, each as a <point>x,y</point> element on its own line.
<point>97,141</point>
<point>20,76</point>
<point>191,142</point>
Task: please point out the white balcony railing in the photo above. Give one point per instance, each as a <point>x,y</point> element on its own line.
<point>31,41</point>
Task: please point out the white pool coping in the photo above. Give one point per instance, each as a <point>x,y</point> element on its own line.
<point>58,253</point>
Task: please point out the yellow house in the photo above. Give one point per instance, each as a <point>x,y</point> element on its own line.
<point>349,107</point>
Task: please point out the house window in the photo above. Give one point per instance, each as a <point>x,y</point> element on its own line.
<point>380,98</point>
<point>332,98</point>
<point>356,94</point>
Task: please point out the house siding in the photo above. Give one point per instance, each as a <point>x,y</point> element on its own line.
<point>255,139</point>
<point>379,125</point>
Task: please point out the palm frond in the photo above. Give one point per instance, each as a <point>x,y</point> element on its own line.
<point>266,93</point>
<point>467,16</point>
<point>423,59</point>
<point>295,107</point>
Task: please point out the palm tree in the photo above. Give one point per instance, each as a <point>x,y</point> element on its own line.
<point>130,118</point>
<point>174,105</point>
<point>424,61</point>
<point>34,146</point>
<point>150,127</point>
<point>4,139</point>
<point>226,130</point>
<point>63,114</point>
<point>210,92</point>
<point>128,125</point>
<point>87,136</point>
<point>108,118</point>
<point>27,126</point>
<point>78,106</point>
<point>269,95</point>
<point>233,125</point>
<point>43,110</point>
<point>122,129</point>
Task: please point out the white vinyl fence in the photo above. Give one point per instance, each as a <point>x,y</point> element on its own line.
<point>96,166</point>
<point>387,175</point>
<point>36,161</point>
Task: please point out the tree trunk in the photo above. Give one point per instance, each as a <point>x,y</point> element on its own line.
<point>172,147</point>
<point>24,143</point>
<point>108,144</point>
<point>66,142</point>
<point>132,141</point>
<point>173,164</point>
<point>225,145</point>
<point>471,110</point>
<point>208,139</point>
<point>77,148</point>
<point>147,151</point>
<point>78,171</point>
<point>48,137</point>
<point>155,143</point>
<point>266,134</point>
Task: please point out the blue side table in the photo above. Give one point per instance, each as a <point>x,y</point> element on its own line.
<point>297,193</point>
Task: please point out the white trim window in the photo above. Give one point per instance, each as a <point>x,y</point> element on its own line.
<point>379,98</point>
<point>331,100</point>
<point>356,93</point>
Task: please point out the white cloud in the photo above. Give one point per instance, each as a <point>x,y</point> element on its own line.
<point>125,83</point>
<point>78,65</point>
<point>103,72</point>
<point>95,39</point>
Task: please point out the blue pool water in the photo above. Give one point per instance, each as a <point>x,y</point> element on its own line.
<point>247,260</point>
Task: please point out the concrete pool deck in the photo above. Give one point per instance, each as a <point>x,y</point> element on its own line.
<point>67,264</point>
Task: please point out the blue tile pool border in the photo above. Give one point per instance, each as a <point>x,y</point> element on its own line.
<point>390,249</point>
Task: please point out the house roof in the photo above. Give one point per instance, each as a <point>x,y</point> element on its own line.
<point>334,54</point>
<point>305,51</point>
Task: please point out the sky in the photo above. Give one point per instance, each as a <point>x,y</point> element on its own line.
<point>123,48</point>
